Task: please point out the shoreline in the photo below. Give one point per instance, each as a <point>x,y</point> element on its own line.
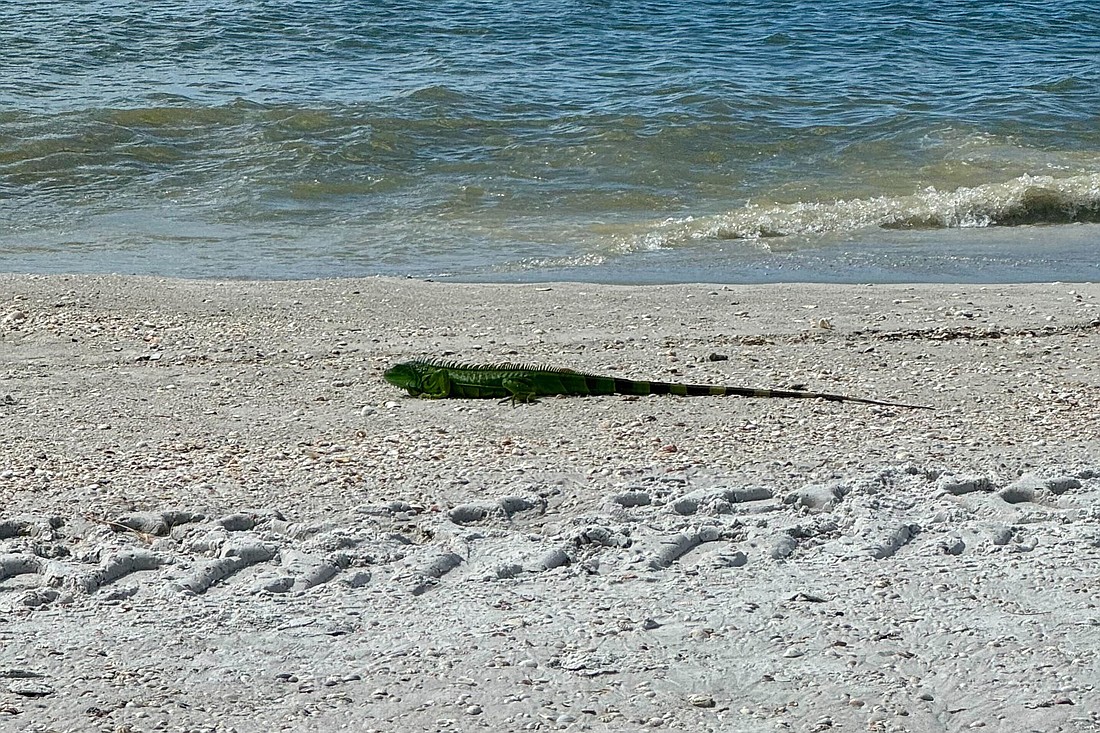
<point>275,511</point>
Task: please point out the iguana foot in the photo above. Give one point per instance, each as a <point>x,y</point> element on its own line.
<point>520,399</point>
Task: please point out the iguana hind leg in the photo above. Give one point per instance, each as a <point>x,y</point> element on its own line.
<point>522,389</point>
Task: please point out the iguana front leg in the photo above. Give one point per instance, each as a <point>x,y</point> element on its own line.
<point>522,389</point>
<point>435,385</point>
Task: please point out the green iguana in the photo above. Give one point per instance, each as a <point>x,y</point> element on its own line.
<point>524,382</point>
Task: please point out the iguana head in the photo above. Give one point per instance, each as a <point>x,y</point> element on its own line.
<point>405,376</point>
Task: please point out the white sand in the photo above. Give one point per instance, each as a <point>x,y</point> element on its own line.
<point>310,550</point>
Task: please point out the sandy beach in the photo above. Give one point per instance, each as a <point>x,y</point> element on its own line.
<point>216,516</point>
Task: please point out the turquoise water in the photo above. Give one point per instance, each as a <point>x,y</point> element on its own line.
<point>622,141</point>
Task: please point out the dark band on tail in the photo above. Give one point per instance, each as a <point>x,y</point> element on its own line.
<point>627,386</point>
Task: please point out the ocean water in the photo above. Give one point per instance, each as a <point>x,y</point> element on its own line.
<point>607,140</point>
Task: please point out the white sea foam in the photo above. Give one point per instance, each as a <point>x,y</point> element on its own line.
<point>1023,200</point>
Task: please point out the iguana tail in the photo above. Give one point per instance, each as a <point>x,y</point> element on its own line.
<point>639,387</point>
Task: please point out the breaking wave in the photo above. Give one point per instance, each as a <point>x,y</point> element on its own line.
<point>1020,201</point>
